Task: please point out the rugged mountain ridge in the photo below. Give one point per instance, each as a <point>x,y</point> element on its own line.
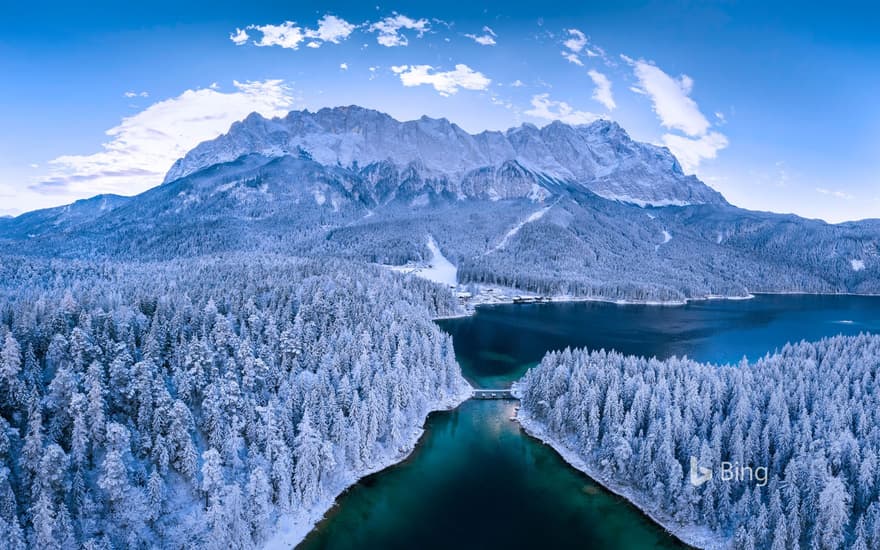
<point>509,224</point>
<point>522,162</point>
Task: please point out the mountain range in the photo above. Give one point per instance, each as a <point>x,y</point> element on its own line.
<point>437,156</point>
<point>580,210</point>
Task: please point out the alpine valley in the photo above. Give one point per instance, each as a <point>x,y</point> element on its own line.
<point>213,362</point>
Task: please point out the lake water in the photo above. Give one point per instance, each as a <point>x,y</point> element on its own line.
<point>477,481</point>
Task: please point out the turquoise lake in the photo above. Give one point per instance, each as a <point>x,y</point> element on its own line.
<point>476,480</point>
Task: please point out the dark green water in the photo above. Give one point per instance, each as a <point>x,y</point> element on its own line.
<point>476,481</point>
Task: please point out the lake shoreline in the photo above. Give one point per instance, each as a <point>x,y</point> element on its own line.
<point>292,529</point>
<point>470,307</point>
<point>695,536</point>
<point>691,535</point>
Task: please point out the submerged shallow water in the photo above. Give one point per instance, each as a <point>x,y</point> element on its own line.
<point>477,481</point>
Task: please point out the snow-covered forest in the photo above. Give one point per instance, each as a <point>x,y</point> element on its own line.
<point>190,403</point>
<point>810,414</point>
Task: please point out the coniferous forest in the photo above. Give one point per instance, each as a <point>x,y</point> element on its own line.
<point>188,404</point>
<point>808,414</point>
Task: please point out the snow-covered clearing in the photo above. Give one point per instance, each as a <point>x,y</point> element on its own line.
<point>439,269</point>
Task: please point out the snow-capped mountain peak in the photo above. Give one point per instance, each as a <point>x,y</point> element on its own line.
<point>598,157</point>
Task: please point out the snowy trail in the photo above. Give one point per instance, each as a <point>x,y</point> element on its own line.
<point>533,217</point>
<point>666,238</point>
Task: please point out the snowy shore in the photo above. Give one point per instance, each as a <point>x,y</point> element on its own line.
<point>292,529</point>
<point>495,295</point>
<point>700,537</point>
<point>441,271</point>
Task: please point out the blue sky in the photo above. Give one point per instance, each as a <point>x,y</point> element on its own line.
<point>773,105</point>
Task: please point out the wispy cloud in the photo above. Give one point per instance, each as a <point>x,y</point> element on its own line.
<point>486,39</point>
<point>835,193</point>
<point>573,58</point>
<point>289,35</point>
<point>602,91</point>
<point>576,42</point>
<point>445,82</point>
<point>671,98</point>
<point>578,45</point>
<point>143,146</point>
<point>691,151</point>
<point>545,108</point>
<point>573,46</point>
<point>388,29</point>
<point>130,94</point>
<point>677,111</point>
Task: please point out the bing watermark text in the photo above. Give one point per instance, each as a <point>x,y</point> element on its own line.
<point>728,472</point>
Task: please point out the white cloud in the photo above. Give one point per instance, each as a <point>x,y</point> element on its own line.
<point>517,83</point>
<point>239,37</point>
<point>285,35</point>
<point>670,96</point>
<point>289,35</point>
<point>131,94</point>
<point>389,29</point>
<point>691,151</point>
<point>486,39</point>
<point>331,29</point>
<point>602,92</point>
<point>143,146</point>
<point>577,41</point>
<point>573,58</point>
<point>835,193</point>
<point>445,82</point>
<point>397,69</point>
<point>577,45</point>
<point>343,66</point>
<point>545,108</point>
<point>676,110</point>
